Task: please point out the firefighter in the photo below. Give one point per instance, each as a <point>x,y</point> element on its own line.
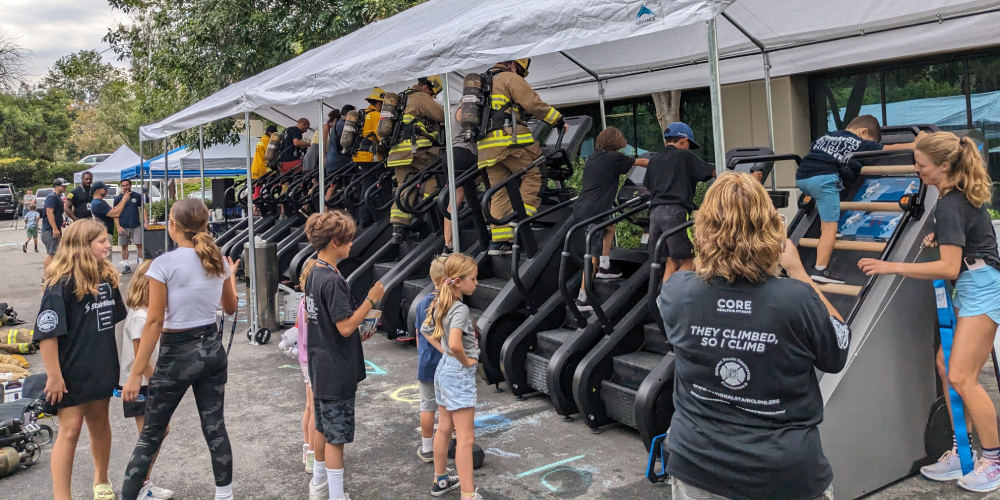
<point>417,145</point>
<point>501,154</point>
<point>365,157</point>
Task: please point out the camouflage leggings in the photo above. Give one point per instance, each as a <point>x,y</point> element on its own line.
<point>194,358</point>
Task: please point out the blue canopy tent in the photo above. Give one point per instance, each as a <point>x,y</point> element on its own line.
<point>220,160</point>
<point>945,112</point>
<point>134,171</point>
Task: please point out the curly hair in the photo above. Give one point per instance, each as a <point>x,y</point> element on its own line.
<point>334,226</point>
<point>737,232</point>
<point>75,260</point>
<point>967,173</point>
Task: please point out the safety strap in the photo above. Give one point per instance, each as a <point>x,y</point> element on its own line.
<point>947,321</point>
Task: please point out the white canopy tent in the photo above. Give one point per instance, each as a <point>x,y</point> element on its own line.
<point>221,160</point>
<point>110,170</point>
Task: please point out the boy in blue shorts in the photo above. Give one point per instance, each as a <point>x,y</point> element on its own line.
<point>819,176</point>
<point>428,357</point>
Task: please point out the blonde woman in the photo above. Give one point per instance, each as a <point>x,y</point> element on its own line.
<point>76,327</point>
<point>747,345</point>
<point>969,254</point>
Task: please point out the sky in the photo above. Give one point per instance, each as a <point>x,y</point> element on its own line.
<point>51,29</point>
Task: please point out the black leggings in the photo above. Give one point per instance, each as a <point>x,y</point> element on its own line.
<point>193,358</point>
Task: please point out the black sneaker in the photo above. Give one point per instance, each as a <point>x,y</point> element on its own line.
<point>25,247</point>
<point>583,305</point>
<point>501,248</point>
<point>447,251</point>
<point>444,486</point>
<point>428,457</point>
<point>825,276</point>
<point>610,272</point>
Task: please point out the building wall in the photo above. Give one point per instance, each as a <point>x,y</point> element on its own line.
<point>744,118</point>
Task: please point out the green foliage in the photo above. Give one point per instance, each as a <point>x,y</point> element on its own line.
<point>994,214</point>
<point>24,173</point>
<point>34,125</point>
<point>627,235</point>
<point>81,75</point>
<point>158,210</point>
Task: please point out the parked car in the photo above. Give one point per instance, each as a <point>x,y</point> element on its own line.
<point>91,160</point>
<point>8,201</point>
<point>205,195</point>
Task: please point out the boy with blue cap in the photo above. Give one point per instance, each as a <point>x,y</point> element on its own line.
<point>671,177</point>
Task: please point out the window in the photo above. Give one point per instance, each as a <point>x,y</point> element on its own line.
<point>984,104</point>
<point>838,100</point>
<point>926,93</point>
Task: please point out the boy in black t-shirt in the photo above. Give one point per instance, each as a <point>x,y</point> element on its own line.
<point>597,194</point>
<point>336,359</point>
<point>671,178</point>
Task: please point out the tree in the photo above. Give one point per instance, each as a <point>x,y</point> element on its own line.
<point>34,125</point>
<point>82,75</point>
<point>182,52</point>
<point>13,61</point>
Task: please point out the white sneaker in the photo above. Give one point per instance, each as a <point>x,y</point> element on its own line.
<point>319,491</point>
<point>305,447</point>
<point>984,478</point>
<point>310,461</point>
<point>947,468</point>
<point>150,490</point>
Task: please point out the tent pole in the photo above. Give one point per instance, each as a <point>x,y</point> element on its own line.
<point>180,180</point>
<point>142,177</point>
<point>450,159</point>
<point>251,246</point>
<point>201,154</point>
<point>166,194</point>
<point>322,159</point>
<point>767,87</point>
<point>600,85</point>
<point>716,91</point>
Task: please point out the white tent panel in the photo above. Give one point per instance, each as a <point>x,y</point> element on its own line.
<point>110,170</point>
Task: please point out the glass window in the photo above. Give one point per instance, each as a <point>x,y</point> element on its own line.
<point>622,117</point>
<point>927,93</point>
<point>650,136</point>
<point>696,111</point>
<point>838,100</point>
<point>984,82</point>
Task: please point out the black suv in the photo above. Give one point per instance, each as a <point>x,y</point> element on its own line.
<point>8,203</point>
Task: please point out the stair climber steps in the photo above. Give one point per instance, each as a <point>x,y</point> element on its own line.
<point>486,291</point>
<point>535,369</point>
<point>550,341</point>
<point>383,268</point>
<point>632,368</point>
<point>406,247</point>
<point>501,266</point>
<point>619,402</point>
<point>414,286</point>
<point>656,341</point>
<point>605,288</point>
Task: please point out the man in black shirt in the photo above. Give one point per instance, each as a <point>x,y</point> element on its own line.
<point>78,200</point>
<point>671,178</point>
<point>100,208</point>
<point>52,220</point>
<point>293,145</point>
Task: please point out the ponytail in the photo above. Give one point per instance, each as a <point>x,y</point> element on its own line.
<point>209,254</point>
<point>968,173</point>
<point>456,267</point>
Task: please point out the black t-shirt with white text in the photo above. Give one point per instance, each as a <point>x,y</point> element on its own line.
<point>85,330</point>
<point>600,182</point>
<point>672,175</point>
<point>289,151</point>
<point>80,199</point>
<point>747,400</point>
<point>100,209</point>
<point>957,222</point>
<point>336,363</point>
<point>827,154</point>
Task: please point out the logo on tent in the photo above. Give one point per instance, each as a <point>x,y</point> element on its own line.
<point>644,17</point>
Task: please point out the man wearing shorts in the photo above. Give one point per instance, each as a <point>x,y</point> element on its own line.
<point>130,223</point>
<point>671,177</point>
<point>52,220</point>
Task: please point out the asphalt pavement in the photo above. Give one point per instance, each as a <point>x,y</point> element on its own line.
<point>531,453</point>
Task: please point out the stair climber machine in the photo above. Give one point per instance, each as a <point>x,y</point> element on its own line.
<point>544,351</point>
<point>510,284</point>
<point>625,375</point>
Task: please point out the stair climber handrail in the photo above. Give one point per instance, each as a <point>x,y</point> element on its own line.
<point>443,199</point>
<point>488,197</point>
<point>355,184</point>
<point>410,190</point>
<point>515,255</point>
<point>468,181</point>
<point>638,201</point>
<point>736,160</point>
<point>341,177</point>
<point>588,268</point>
<point>654,275</point>
<point>913,209</point>
<point>372,191</point>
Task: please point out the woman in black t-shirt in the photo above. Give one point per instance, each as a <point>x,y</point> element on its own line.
<point>965,235</point>
<point>76,327</point>
<point>747,346</point>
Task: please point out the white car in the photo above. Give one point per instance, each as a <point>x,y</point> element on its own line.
<point>91,160</point>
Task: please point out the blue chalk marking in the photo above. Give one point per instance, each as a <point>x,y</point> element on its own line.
<point>547,467</point>
<point>491,421</point>
<point>373,369</point>
<point>290,366</point>
<point>585,479</point>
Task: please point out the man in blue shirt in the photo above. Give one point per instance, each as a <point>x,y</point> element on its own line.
<point>52,220</point>
<point>130,223</point>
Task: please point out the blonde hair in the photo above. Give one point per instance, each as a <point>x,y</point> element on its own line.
<point>456,266</point>
<point>138,287</point>
<point>738,233</point>
<point>306,269</point>
<point>967,172</point>
<point>74,259</point>
<point>437,270</point>
<point>190,217</point>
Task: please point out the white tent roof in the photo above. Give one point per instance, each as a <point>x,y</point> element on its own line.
<point>633,53</point>
<point>110,170</point>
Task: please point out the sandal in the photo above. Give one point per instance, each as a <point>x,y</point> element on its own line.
<point>104,492</point>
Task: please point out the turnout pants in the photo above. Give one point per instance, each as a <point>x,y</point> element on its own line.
<point>192,358</point>
<point>422,160</point>
<point>531,183</point>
